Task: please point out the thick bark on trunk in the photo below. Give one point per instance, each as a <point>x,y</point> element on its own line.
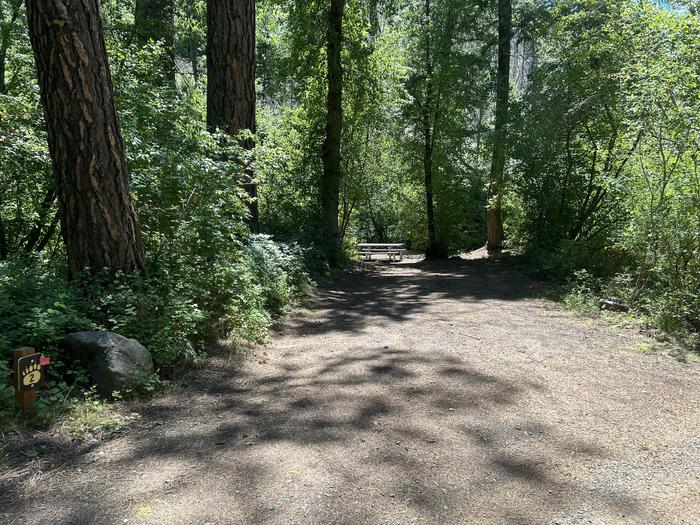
<point>231,78</point>
<point>98,221</point>
<point>332,170</point>
<point>154,20</point>
<point>494,219</point>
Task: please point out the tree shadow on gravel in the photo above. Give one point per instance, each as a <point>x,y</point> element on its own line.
<point>354,301</point>
<point>427,434</point>
<point>397,421</point>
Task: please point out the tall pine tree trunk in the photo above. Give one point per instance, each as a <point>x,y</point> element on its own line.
<point>494,219</point>
<point>332,170</point>
<point>154,20</point>
<point>98,221</point>
<point>231,78</point>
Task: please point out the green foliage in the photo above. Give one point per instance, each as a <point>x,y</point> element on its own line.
<point>37,308</point>
<point>149,310</point>
<point>606,146</point>
<point>444,97</point>
<point>603,180</point>
<point>27,202</point>
<point>208,277</point>
<point>573,138</point>
<point>382,196</point>
<point>91,415</point>
<point>239,297</point>
<point>279,271</point>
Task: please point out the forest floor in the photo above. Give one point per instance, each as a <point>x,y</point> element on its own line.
<point>417,392</point>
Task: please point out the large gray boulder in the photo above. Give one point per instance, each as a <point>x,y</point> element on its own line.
<point>113,361</point>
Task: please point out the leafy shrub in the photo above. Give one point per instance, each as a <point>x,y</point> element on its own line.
<point>237,293</point>
<point>37,309</point>
<point>278,270</point>
<point>37,306</point>
<point>148,310</point>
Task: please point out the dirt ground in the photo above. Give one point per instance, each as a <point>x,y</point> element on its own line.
<point>443,393</point>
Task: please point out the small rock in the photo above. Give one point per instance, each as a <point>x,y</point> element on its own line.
<point>188,351</point>
<point>613,304</point>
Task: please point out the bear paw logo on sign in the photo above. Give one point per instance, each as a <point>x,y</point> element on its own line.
<point>30,373</point>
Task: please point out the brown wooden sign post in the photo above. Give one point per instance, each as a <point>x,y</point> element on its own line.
<point>28,376</point>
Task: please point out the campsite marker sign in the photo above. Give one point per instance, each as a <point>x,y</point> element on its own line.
<point>29,374</point>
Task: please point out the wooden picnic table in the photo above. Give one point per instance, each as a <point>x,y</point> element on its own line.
<point>391,249</point>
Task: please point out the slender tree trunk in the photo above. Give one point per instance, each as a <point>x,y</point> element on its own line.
<point>191,47</point>
<point>494,218</point>
<point>48,235</point>
<point>3,240</point>
<point>5,35</point>
<point>3,62</point>
<point>154,20</point>
<point>98,221</point>
<point>434,249</point>
<point>533,58</point>
<point>41,222</point>
<point>231,78</point>
<point>332,171</point>
<point>374,27</point>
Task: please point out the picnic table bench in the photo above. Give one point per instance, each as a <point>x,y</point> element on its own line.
<point>391,249</point>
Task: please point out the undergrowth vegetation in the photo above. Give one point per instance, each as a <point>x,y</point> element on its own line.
<point>172,313</point>
<point>605,188</point>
